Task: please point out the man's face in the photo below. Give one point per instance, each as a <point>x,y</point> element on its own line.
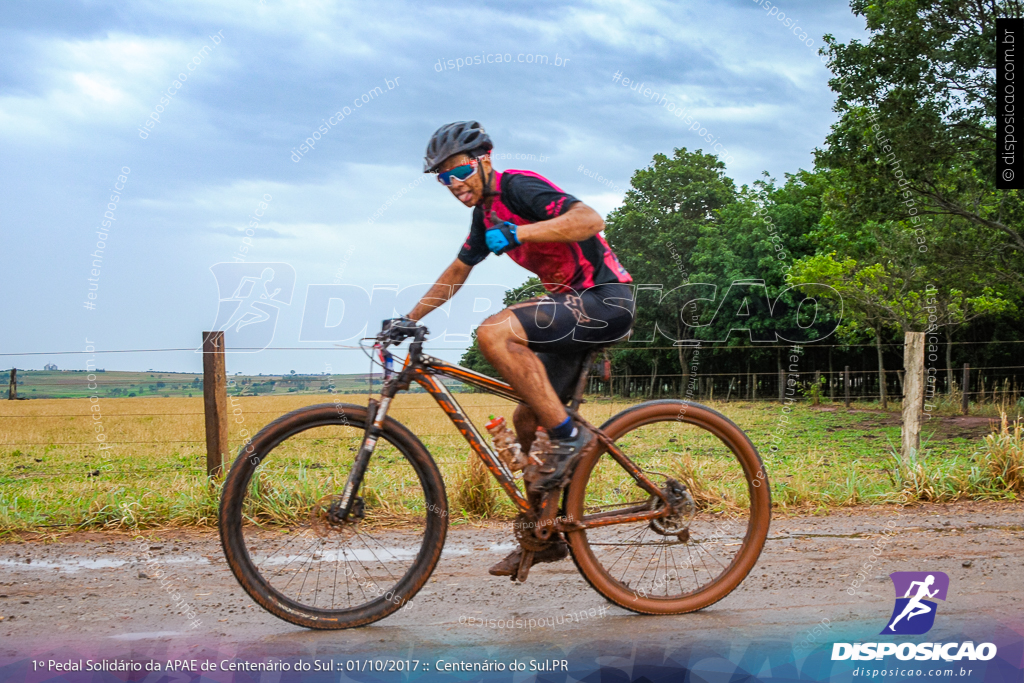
<point>471,190</point>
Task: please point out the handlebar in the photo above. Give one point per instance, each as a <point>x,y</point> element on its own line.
<point>394,331</point>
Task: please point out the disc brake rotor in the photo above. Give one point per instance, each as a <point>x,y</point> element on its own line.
<point>324,520</point>
<point>681,512</point>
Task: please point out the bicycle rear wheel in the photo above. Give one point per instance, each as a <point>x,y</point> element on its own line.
<point>289,556</point>
<point>702,552</point>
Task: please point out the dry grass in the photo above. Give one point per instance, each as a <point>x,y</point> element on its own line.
<point>995,470</point>
<point>1002,456</point>
<point>473,490</point>
<point>54,473</point>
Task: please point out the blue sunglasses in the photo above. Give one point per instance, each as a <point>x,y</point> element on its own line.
<point>461,173</point>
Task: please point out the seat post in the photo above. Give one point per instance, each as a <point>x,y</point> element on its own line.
<point>581,382</point>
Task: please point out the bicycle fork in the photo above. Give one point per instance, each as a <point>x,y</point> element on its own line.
<point>376,412</point>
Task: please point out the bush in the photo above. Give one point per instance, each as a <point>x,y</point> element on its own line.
<point>473,493</point>
<point>996,470</point>
<point>1001,458</point>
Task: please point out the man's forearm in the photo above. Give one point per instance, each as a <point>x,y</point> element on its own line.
<point>436,296</point>
<point>575,225</point>
<point>445,288</point>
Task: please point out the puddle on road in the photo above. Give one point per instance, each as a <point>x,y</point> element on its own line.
<point>146,636</point>
<point>383,554</point>
<point>350,554</point>
<point>857,536</point>
<point>71,566</point>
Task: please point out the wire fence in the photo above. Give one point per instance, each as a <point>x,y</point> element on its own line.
<point>995,384</point>
<point>989,384</point>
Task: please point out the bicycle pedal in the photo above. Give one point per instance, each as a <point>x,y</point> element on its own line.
<point>524,567</point>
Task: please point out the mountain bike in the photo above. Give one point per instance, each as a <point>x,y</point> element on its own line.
<point>671,527</point>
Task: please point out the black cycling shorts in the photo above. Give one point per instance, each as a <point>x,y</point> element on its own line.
<point>562,328</point>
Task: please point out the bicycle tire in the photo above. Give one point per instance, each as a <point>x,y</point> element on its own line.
<point>233,525</point>
<point>738,444</point>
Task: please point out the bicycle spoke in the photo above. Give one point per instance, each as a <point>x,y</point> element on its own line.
<point>711,494</point>
<point>297,566</point>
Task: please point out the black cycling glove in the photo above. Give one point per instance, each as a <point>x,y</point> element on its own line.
<point>397,329</point>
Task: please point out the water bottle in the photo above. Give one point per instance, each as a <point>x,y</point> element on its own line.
<point>505,443</point>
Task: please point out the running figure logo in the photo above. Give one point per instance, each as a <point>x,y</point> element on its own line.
<point>914,612</point>
<point>250,296</point>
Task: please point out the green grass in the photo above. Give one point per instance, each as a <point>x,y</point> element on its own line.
<point>45,384</point>
<point>53,473</point>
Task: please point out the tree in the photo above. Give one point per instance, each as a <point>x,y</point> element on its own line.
<point>891,295</point>
<point>951,262</point>
<point>955,308</point>
<point>916,135</point>
<point>655,234</point>
<point>757,239</point>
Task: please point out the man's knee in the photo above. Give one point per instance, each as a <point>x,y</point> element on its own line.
<point>496,330</point>
<point>488,333</point>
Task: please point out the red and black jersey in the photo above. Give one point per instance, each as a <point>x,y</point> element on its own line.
<point>526,197</point>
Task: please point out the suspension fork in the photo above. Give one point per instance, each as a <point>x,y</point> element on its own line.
<point>376,413</point>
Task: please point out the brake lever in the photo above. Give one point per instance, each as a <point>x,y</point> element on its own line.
<point>387,361</point>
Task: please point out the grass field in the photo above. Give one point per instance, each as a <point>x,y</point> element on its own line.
<point>150,468</point>
<point>37,384</point>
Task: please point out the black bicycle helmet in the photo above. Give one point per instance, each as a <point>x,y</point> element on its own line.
<point>456,138</point>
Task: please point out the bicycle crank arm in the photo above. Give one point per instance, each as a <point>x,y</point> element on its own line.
<point>546,514</point>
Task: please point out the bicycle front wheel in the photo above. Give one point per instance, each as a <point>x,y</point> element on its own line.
<point>708,544</point>
<point>287,553</point>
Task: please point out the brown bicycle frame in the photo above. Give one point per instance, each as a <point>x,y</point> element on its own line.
<point>424,369</point>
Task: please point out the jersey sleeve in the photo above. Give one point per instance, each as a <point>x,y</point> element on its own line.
<point>475,250</point>
<point>533,198</point>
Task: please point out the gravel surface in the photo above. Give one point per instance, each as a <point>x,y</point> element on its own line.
<point>91,589</point>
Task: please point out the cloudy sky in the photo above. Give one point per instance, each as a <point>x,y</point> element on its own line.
<point>79,81</point>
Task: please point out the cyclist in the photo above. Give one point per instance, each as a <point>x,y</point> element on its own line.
<point>533,343</point>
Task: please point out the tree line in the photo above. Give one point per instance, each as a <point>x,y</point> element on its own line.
<point>899,218</point>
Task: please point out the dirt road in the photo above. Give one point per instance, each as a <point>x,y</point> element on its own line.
<point>91,590</point>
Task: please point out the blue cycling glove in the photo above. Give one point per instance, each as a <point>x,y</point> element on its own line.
<point>502,237</point>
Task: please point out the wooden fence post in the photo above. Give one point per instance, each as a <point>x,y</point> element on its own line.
<point>846,385</point>
<point>215,402</point>
<point>753,387</point>
<point>12,388</point>
<point>966,386</point>
<point>913,366</point>
<point>817,387</point>
<point>782,385</point>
